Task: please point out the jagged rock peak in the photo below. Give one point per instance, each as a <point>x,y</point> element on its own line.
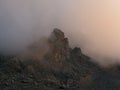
<point>59,46</point>
<point>58,38</point>
<point>56,35</point>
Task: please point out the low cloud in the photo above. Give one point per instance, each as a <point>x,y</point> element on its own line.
<point>90,24</point>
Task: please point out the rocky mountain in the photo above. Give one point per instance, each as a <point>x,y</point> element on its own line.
<point>51,64</point>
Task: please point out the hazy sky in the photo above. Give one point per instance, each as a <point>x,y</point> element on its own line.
<point>91,24</point>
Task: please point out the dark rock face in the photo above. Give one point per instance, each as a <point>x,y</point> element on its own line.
<point>59,47</point>
<point>60,68</point>
<point>56,35</point>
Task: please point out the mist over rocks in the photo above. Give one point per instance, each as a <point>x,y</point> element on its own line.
<point>51,52</point>
<point>59,65</point>
<point>91,25</point>
<point>56,67</point>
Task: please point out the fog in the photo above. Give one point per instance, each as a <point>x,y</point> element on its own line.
<point>90,24</point>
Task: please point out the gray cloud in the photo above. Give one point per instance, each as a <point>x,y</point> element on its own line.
<point>92,25</point>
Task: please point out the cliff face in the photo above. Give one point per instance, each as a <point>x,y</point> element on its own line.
<point>50,64</point>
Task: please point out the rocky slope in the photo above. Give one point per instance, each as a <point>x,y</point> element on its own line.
<point>51,64</point>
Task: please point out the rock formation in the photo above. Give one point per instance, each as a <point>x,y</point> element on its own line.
<point>51,64</point>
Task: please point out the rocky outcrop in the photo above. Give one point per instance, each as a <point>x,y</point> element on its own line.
<point>51,64</point>
<point>59,47</point>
